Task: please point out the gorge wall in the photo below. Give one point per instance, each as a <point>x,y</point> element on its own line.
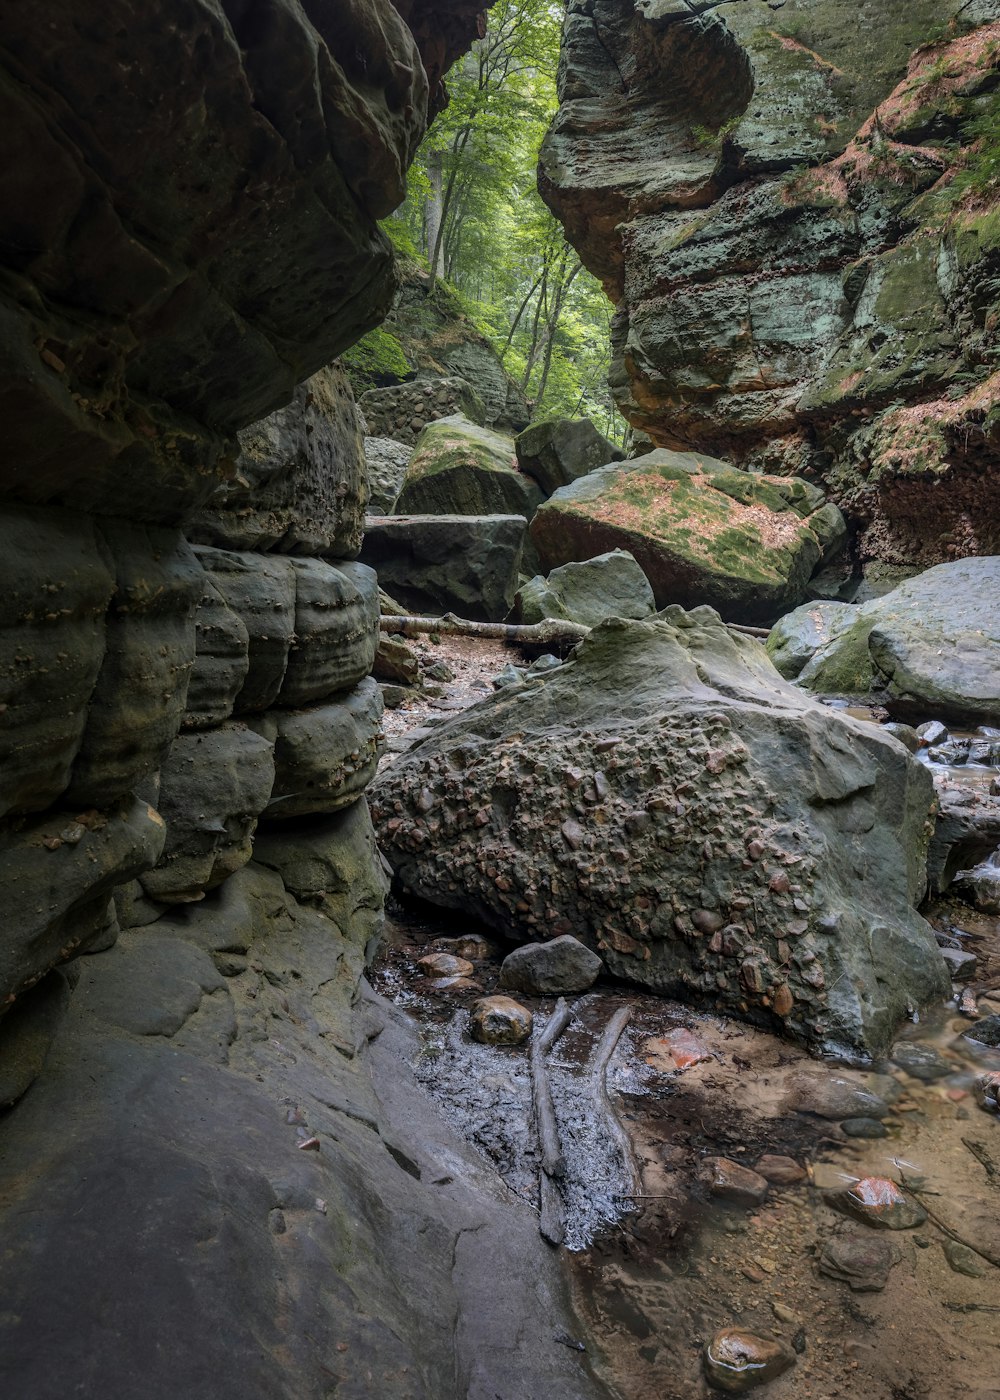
<point>794,206</point>
<point>213,1177</point>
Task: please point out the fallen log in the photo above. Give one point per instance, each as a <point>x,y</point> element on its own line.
<point>599,1087</point>
<point>549,630</point>
<point>553,1164</point>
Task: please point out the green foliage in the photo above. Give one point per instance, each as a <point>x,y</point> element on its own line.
<point>376,360</point>
<point>473,199</point>
<point>981,173</point>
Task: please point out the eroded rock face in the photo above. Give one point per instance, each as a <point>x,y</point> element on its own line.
<point>931,647</point>
<point>668,799</point>
<point>834,321</point>
<point>198,240</point>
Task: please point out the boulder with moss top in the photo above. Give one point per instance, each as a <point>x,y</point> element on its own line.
<point>459,468</point>
<point>702,531</point>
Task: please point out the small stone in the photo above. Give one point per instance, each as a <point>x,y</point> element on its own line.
<point>729,1181</point>
<point>736,1361</point>
<point>439,671</point>
<point>786,1314</point>
<point>879,1202</point>
<point>573,834</point>
<point>454,984</point>
<point>835,1096</point>
<point>963,1259</point>
<point>780,1171</point>
<point>707,920</point>
<point>961,965</point>
<point>444,965</point>
<point>782,1001</point>
<point>933,732</point>
<point>986,1032</point>
<point>499,1021</point>
<point>551,969</point>
<point>861,1261</point>
<point>923,1062</point>
<point>470,945</point>
<point>679,1048</point>
<point>864,1128</point>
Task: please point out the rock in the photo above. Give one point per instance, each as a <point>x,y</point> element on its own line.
<point>961,965</point>
<point>965,840</point>
<point>448,563</point>
<point>299,485</point>
<point>558,967</point>
<point>458,468</point>
<point>394,696</point>
<point>736,1361</point>
<point>58,890</point>
<point>678,1049</point>
<point>499,1021</point>
<point>609,585</point>
<point>472,945</point>
<point>988,1086</point>
<point>221,661</point>
<point>325,757</point>
<point>931,732</point>
<point>336,631</point>
<point>27,1031</point>
<point>779,1171</point>
<point>906,736</point>
<point>879,1202</point>
<point>395,660</point>
<point>701,531</point>
<point>138,702</point>
<point>671,771</point>
<point>403,411</point>
<point>981,887</point>
<point>809,631</point>
<point>985,1032</point>
<point>869,1128</point>
<point>835,1096</point>
<point>386,461</point>
<point>57,586</point>
<point>720,211</point>
<point>931,647</point>
<point>444,965</point>
<point>962,1259</point>
<point>331,862</point>
<point>261,591</point>
<point>923,1062</point>
<point>213,787</point>
<point>559,450</point>
<point>730,1181</point>
<point>861,1261</point>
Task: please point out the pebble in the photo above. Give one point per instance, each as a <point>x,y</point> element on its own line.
<point>729,1181</point>
<point>780,1171</point>
<point>455,984</point>
<point>963,1260</point>
<point>879,1202</point>
<point>473,946</point>
<point>923,1062</point>
<point>499,1021</point>
<point>683,1047</point>
<point>736,1361</point>
<point>864,1128</point>
<point>445,965</point>
<point>861,1261</point>
<point>835,1096</point>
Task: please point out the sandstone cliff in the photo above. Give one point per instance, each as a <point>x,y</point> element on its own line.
<point>794,207</point>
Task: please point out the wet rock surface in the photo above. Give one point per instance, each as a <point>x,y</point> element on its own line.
<point>737,1361</point>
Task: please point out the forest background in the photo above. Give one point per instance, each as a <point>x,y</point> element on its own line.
<point>473,214</point>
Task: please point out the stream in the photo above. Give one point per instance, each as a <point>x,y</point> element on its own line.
<point>663,1251</point>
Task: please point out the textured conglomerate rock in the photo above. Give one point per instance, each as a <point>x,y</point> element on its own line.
<point>668,799</point>
<point>776,198</point>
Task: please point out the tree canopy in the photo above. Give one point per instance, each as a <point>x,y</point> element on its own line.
<point>474,213</point>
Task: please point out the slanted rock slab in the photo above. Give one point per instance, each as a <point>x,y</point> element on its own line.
<point>609,585</point>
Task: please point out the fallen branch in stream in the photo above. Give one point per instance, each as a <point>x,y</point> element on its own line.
<point>599,1085</point>
<point>553,1163</point>
<point>548,631</point>
<point>946,1229</point>
<point>983,1157</point>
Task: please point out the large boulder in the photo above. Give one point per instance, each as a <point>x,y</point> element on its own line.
<point>713,832</point>
<point>702,531</point>
<point>609,585</point>
<point>559,450</point>
<point>748,181</point>
<point>299,485</point>
<point>458,468</point>
<point>930,649</point>
<point>448,563</point>
<point>386,460</point>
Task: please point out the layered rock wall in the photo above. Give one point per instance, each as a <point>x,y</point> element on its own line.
<point>793,209</point>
